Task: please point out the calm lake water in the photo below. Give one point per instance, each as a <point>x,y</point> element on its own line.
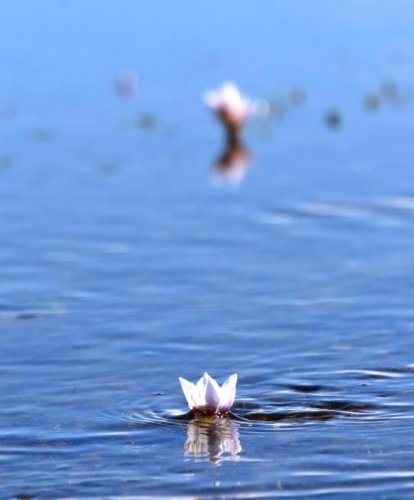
<point>128,258</point>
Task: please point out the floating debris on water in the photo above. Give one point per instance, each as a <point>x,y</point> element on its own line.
<point>333,119</point>
<point>297,97</point>
<point>387,93</point>
<point>126,83</point>
<point>146,121</point>
<point>108,168</point>
<point>42,134</point>
<point>372,102</point>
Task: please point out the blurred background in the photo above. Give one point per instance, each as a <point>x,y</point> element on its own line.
<point>136,247</point>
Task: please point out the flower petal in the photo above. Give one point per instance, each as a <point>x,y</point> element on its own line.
<point>228,394</point>
<point>200,391</point>
<point>189,392</point>
<point>212,392</point>
<point>230,94</point>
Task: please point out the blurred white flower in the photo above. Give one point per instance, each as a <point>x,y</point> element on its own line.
<point>126,83</point>
<point>206,396</point>
<point>230,105</point>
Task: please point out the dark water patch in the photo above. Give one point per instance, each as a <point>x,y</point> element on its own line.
<point>395,94</point>
<point>26,315</point>
<point>345,405</point>
<point>297,415</point>
<point>388,92</point>
<point>333,119</point>
<point>13,313</point>
<point>108,168</point>
<point>246,405</point>
<point>372,102</point>
<point>324,410</point>
<point>42,134</point>
<point>304,388</point>
<point>146,121</point>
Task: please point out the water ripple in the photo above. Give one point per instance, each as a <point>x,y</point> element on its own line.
<point>392,211</point>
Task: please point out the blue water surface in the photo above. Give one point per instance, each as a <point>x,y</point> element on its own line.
<point>127,259</point>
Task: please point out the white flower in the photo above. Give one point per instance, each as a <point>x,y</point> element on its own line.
<point>232,107</point>
<point>206,396</point>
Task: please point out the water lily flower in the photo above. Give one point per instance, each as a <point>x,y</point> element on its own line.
<point>230,105</point>
<point>206,396</point>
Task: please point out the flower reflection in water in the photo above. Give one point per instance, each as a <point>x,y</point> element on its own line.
<point>233,163</point>
<point>213,438</point>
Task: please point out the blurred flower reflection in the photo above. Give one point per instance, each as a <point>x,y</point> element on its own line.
<point>126,83</point>
<point>232,164</point>
<point>212,437</point>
